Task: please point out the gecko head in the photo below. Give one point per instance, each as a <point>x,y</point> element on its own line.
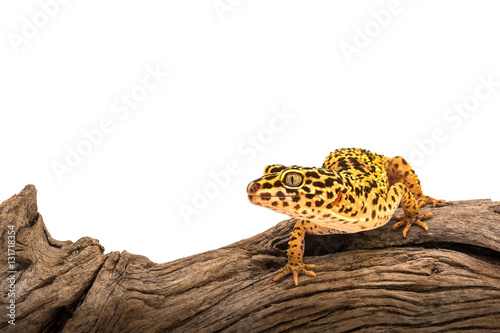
<point>299,192</point>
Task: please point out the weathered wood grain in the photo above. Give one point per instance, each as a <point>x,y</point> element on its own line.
<point>377,281</point>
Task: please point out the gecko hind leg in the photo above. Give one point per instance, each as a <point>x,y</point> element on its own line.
<point>398,170</point>
<point>425,200</point>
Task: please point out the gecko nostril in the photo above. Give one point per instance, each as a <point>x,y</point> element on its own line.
<point>252,188</point>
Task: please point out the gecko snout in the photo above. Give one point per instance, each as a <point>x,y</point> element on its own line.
<point>253,187</point>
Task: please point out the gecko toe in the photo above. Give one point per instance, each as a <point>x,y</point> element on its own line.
<point>295,270</point>
<point>408,221</point>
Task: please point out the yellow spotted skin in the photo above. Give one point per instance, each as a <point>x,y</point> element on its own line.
<point>354,190</point>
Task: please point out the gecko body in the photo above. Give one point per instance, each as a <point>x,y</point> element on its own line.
<point>354,190</point>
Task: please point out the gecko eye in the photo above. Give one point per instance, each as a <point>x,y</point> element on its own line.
<point>292,179</point>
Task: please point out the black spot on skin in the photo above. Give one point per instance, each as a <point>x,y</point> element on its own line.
<point>304,212</point>
<point>319,203</point>
<point>295,199</point>
<point>404,161</point>
<point>267,185</point>
<point>308,181</point>
<point>341,209</point>
<point>277,184</point>
<point>342,164</point>
<point>311,216</point>
<point>351,199</point>
<point>280,195</point>
<point>348,210</point>
<point>296,207</point>
<point>354,214</point>
<point>308,204</point>
<point>327,215</point>
<point>306,189</point>
<point>265,196</point>
<point>329,206</point>
<point>310,196</point>
<point>274,203</point>
<point>406,173</point>
<point>312,174</point>
<point>329,182</point>
<point>375,200</point>
<point>374,213</point>
<point>285,204</point>
<point>275,168</point>
<point>329,195</point>
<point>319,184</point>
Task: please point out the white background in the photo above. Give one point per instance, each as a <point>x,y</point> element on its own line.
<point>231,65</point>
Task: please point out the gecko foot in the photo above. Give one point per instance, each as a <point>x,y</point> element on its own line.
<point>295,270</point>
<point>425,200</point>
<point>409,221</point>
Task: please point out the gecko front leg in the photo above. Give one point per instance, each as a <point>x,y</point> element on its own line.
<point>295,264</point>
<point>399,193</point>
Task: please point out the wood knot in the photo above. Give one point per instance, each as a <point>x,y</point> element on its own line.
<point>436,269</point>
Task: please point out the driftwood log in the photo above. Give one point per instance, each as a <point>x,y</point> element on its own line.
<point>444,280</point>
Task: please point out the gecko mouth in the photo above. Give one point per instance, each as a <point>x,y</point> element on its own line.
<point>268,196</point>
<point>257,194</point>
